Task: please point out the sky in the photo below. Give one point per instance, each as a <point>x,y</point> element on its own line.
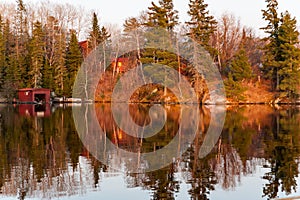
<point>248,11</point>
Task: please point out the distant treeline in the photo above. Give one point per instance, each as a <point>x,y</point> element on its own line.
<point>39,44</point>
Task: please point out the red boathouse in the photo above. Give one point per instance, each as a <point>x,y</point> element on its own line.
<point>30,95</point>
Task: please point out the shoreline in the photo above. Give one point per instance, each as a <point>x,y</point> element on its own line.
<point>155,102</point>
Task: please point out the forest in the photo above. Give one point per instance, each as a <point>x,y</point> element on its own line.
<point>39,46</point>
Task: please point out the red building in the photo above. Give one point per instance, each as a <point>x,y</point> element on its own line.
<point>84,47</point>
<point>31,95</point>
<point>122,62</point>
<point>121,65</point>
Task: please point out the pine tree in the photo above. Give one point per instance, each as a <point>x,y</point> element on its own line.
<point>201,25</point>
<point>132,29</point>
<point>21,32</point>
<point>104,35</point>
<point>163,16</point>
<point>240,67</point>
<point>15,38</point>
<point>48,76</point>
<point>73,62</point>
<point>98,36</point>
<point>131,24</point>
<point>156,16</point>
<point>95,34</point>
<point>270,58</point>
<point>55,56</point>
<point>289,57</point>
<point>233,89</point>
<point>60,72</point>
<point>12,80</point>
<point>37,49</point>
<point>281,57</point>
<point>2,55</point>
<point>51,59</point>
<point>271,15</point>
<point>171,14</point>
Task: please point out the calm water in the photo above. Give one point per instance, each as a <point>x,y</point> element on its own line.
<point>255,157</point>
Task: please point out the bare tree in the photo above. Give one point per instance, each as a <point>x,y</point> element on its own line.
<point>7,10</point>
<point>82,21</point>
<point>227,38</point>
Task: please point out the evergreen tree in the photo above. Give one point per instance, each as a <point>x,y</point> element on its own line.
<point>201,25</point>
<point>239,70</point>
<point>240,67</point>
<point>271,15</point>
<point>48,76</point>
<point>15,40</point>
<point>156,16</point>
<point>95,34</point>
<point>37,49</point>
<point>104,35</point>
<point>281,57</point>
<point>281,149</point>
<point>12,80</point>
<point>55,56</point>
<point>233,89</point>
<point>289,57</point>
<point>270,58</point>
<point>131,24</point>
<point>2,55</point>
<point>171,14</point>
<point>51,57</point>
<point>59,67</point>
<point>132,29</point>
<point>73,61</point>
<point>162,15</point>
<point>21,46</point>
<point>98,36</point>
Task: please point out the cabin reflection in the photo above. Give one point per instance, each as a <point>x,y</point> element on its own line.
<point>35,110</point>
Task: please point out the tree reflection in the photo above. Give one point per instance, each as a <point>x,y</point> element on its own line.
<point>45,158</point>
<point>162,183</point>
<point>236,147</point>
<point>201,176</point>
<point>39,157</point>
<point>282,153</point>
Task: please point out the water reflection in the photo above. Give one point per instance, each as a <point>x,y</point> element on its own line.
<point>43,157</point>
<point>145,151</point>
<point>39,110</point>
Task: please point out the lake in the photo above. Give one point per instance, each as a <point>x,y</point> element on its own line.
<point>51,153</point>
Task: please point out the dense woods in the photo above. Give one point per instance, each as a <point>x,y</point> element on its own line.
<point>39,46</point>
